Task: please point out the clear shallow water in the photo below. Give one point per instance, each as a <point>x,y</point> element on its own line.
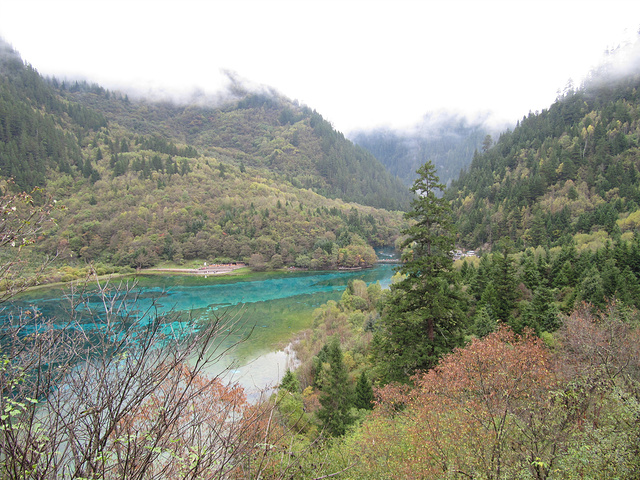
<point>272,308</point>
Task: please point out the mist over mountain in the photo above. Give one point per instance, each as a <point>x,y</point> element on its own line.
<point>448,139</point>
<point>570,171</point>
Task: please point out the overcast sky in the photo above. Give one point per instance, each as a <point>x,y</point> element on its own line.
<point>360,64</point>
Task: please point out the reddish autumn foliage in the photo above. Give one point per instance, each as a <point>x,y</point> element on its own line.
<point>486,410</point>
<point>216,434</point>
<point>601,345</point>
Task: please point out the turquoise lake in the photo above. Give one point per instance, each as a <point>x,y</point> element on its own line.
<point>270,307</point>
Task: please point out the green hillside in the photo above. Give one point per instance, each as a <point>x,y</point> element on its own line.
<point>39,130</point>
<point>146,182</point>
<point>571,169</point>
<point>259,129</point>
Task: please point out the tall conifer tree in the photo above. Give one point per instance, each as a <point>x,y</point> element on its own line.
<point>364,393</point>
<point>336,397</point>
<point>422,319</point>
<point>506,284</point>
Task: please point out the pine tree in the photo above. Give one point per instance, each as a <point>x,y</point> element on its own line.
<point>290,382</point>
<point>591,289</point>
<point>422,319</point>
<point>629,290</point>
<point>530,274</point>
<point>506,285</point>
<point>364,393</point>
<point>483,322</point>
<point>542,314</point>
<point>336,398</point>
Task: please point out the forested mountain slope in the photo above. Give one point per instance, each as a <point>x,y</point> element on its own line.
<point>39,130</point>
<point>571,169</point>
<point>144,182</point>
<point>260,129</point>
<point>448,140</point>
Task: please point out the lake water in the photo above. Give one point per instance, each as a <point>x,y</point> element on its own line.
<point>272,308</point>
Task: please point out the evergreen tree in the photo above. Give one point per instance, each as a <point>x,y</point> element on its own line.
<point>317,362</point>
<point>489,301</point>
<point>422,319</point>
<point>364,393</point>
<point>290,382</point>
<point>87,168</point>
<point>629,290</point>
<point>336,398</point>
<point>591,289</point>
<point>467,272</point>
<point>542,314</point>
<point>611,278</point>
<point>483,322</point>
<point>506,285</point>
<point>530,274</point>
<point>482,278</point>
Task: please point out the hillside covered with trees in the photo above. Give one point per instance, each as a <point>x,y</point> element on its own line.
<point>146,182</point>
<point>569,170</point>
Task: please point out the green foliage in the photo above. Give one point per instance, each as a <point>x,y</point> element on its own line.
<point>506,287</point>
<point>541,314</point>
<point>290,382</point>
<point>483,322</point>
<point>538,286</point>
<point>39,130</point>
<point>290,403</point>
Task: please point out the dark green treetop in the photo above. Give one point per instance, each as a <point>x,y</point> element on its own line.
<point>290,382</point>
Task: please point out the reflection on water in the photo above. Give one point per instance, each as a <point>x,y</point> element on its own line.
<point>273,307</point>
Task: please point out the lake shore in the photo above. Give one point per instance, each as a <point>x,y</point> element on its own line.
<point>214,269</point>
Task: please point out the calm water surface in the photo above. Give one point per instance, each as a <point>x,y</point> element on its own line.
<point>272,307</point>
